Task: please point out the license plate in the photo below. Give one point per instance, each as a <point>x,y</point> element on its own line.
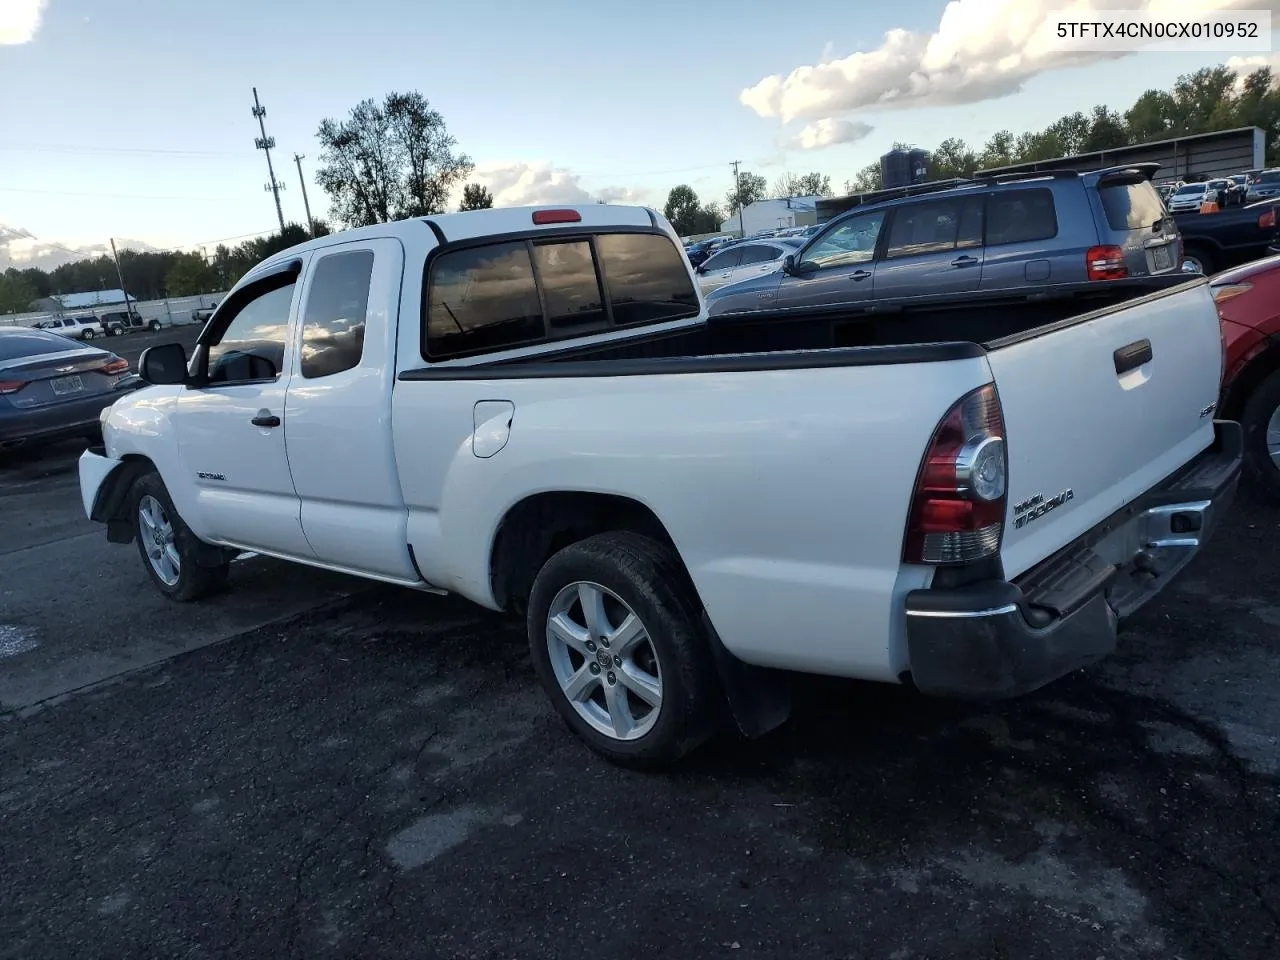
<point>65,385</point>
<point>1162,258</point>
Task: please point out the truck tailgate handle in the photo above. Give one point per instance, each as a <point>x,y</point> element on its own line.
<point>1132,356</point>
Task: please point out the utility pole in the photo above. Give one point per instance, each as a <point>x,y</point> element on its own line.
<point>737,190</point>
<point>265,144</point>
<point>848,187</point>
<point>311,224</point>
<point>128,310</point>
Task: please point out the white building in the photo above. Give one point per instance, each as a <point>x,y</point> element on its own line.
<point>774,214</point>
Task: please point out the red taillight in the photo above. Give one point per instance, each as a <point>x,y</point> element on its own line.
<point>118,365</point>
<point>1105,263</point>
<point>12,386</point>
<point>958,507</point>
<point>543,217</point>
<point>1268,220</point>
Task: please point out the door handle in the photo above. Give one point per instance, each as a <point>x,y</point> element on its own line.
<point>265,421</point>
<point>1132,356</point>
<point>860,275</point>
<point>964,261</point>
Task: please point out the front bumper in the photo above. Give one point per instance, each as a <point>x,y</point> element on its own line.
<point>998,639</point>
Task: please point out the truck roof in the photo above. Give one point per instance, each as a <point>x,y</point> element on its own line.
<point>471,224</point>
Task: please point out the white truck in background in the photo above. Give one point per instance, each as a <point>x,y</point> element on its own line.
<point>530,408</point>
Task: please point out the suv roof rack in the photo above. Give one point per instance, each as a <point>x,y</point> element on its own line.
<point>1014,177</point>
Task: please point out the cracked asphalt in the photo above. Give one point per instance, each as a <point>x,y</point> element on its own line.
<point>312,767</point>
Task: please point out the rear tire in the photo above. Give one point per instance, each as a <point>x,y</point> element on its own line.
<point>633,676</point>
<point>170,552</point>
<point>89,335</point>
<point>1261,416</point>
<point>155,326</point>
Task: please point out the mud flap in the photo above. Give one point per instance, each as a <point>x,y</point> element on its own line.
<point>759,699</point>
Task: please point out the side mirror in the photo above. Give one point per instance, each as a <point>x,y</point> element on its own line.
<point>164,365</point>
<point>789,264</point>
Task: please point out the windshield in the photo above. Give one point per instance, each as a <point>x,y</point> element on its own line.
<point>1190,190</point>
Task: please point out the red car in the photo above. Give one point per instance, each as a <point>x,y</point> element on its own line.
<point>1249,303</point>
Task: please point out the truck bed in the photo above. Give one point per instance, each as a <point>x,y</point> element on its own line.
<point>937,331</point>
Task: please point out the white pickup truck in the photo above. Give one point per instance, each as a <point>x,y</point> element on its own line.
<point>530,408</point>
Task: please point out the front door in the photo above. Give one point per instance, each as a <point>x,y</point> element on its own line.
<point>231,431</point>
<point>837,268</point>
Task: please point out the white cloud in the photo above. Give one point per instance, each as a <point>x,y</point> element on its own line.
<point>1243,66</point>
<point>520,183</point>
<point>829,131</point>
<point>19,20</point>
<point>21,249</point>
<point>981,49</point>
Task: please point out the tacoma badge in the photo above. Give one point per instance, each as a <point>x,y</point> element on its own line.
<point>1036,506</point>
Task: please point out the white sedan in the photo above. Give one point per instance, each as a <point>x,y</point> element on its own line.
<point>743,260</point>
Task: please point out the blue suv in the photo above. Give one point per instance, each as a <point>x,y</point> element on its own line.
<point>1021,234</point>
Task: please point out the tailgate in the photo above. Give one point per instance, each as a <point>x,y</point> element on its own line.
<point>1099,409</point>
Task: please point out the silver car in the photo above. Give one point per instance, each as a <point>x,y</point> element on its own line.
<point>52,387</point>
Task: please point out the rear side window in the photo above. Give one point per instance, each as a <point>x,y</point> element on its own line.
<point>758,254</point>
<point>724,261</point>
<point>1021,216</point>
<point>1131,206</point>
<point>482,298</point>
<point>935,226</point>
<point>513,294</point>
<point>648,280</point>
<point>333,324</point>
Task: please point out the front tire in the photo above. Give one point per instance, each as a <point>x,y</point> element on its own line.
<point>1260,422</point>
<point>170,552</point>
<point>89,335</point>
<point>616,641</point>
<point>155,326</point>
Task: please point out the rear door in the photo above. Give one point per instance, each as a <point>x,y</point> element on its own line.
<point>1098,412</point>
<point>837,267</point>
<point>1025,246</point>
<point>1131,216</point>
<point>933,247</point>
<point>718,270</point>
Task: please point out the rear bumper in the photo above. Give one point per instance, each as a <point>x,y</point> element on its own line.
<point>998,639</point>
<point>54,422</point>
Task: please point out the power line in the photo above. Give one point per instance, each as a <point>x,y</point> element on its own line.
<point>112,196</point>
<point>130,151</point>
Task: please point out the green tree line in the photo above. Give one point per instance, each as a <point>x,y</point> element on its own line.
<point>1211,99</point>
<point>149,274</point>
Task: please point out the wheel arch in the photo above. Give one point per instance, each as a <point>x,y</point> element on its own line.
<point>111,505</point>
<point>1242,386</point>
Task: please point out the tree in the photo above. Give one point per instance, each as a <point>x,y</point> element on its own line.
<point>812,184</point>
<point>1072,132</point>
<point>869,178</point>
<point>1106,130</point>
<point>190,276</point>
<point>682,209</point>
<point>388,161</point>
<point>999,151</point>
<point>750,188</point>
<point>952,158</point>
<point>16,292</point>
<point>1153,116</point>
<point>476,196</point>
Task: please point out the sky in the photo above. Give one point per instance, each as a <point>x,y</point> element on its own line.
<point>132,118</point>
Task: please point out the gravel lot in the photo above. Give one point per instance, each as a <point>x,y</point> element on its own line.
<point>309,766</point>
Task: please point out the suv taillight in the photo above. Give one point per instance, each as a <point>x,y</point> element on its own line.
<point>1105,263</point>
<point>958,507</point>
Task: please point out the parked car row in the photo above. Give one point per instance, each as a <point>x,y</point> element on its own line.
<point>88,326</point>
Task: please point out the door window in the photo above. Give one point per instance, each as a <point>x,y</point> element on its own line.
<point>251,347</point>
<point>758,253</point>
<point>723,261</point>
<point>852,241</point>
<point>333,324</point>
